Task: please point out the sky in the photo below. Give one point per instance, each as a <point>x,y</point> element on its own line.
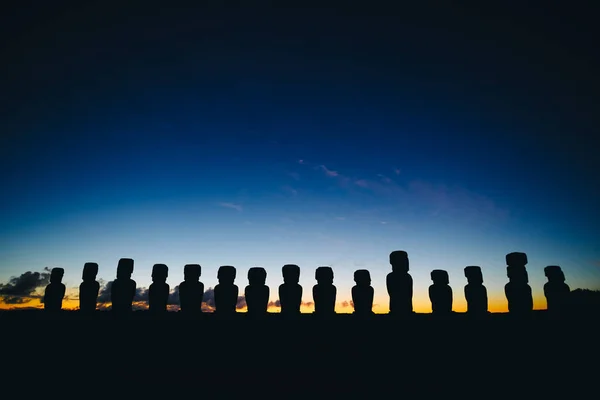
<point>319,137</point>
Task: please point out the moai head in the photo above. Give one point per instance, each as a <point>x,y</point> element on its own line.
<point>473,274</point>
<point>192,272</point>
<point>399,261</point>
<point>554,273</point>
<point>257,276</point>
<point>439,277</point>
<point>125,268</point>
<point>90,270</point>
<point>516,259</point>
<point>56,275</point>
<point>362,277</point>
<point>291,273</point>
<point>160,272</point>
<point>324,275</point>
<point>226,274</point>
<point>517,274</point>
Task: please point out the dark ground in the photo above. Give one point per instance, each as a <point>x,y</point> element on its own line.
<point>345,353</point>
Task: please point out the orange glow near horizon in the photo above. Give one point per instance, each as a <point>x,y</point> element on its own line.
<point>497,304</point>
<point>421,304</point>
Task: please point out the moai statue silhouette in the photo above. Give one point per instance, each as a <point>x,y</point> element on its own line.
<point>362,293</point>
<point>517,290</point>
<point>257,293</point>
<point>290,292</point>
<point>55,291</point>
<point>557,292</point>
<point>123,288</point>
<point>475,292</point>
<point>324,292</point>
<point>226,292</point>
<point>89,288</point>
<point>440,293</point>
<point>191,290</point>
<point>400,284</point>
<point>158,292</point>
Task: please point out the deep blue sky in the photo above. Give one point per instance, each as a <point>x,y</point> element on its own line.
<point>459,135</point>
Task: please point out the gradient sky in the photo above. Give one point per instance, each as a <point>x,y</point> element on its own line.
<point>317,137</point>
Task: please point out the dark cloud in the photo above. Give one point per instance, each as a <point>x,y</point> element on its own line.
<point>241,302</point>
<point>174,296</point>
<point>22,289</point>
<point>104,294</point>
<point>345,304</point>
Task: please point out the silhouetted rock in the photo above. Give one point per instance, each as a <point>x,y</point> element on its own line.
<point>89,288</point>
<point>191,290</point>
<point>324,292</point>
<point>517,290</point>
<point>475,292</point>
<point>440,293</point>
<point>400,284</point>
<point>158,292</point>
<point>557,292</point>
<point>226,292</point>
<point>362,293</point>
<point>55,291</point>
<point>290,292</point>
<point>257,293</point>
<point>123,288</point>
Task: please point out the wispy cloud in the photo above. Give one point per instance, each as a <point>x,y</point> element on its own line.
<point>328,172</point>
<point>295,175</point>
<point>231,205</point>
<point>340,218</point>
<point>440,199</point>
<point>290,190</point>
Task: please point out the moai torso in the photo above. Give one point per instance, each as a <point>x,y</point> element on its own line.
<point>191,290</point>
<point>290,292</point>
<point>123,288</point>
<point>55,291</point>
<point>400,284</point>
<point>226,292</point>
<point>557,292</point>
<point>475,292</point>
<point>257,293</point>
<point>89,288</point>
<point>362,293</point>
<point>324,292</point>
<point>122,294</point>
<point>440,293</point>
<point>517,290</point>
<point>158,293</point>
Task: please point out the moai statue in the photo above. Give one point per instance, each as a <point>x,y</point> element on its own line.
<point>290,292</point>
<point>257,293</point>
<point>55,291</point>
<point>475,292</point>
<point>557,292</point>
<point>226,292</point>
<point>158,292</point>
<point>440,293</point>
<point>89,288</point>
<point>123,288</point>
<point>324,292</point>
<point>191,290</point>
<point>362,293</point>
<point>517,290</point>
<point>400,284</point>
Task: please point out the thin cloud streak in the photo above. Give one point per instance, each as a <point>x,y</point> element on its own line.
<point>232,206</point>
<point>440,198</point>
